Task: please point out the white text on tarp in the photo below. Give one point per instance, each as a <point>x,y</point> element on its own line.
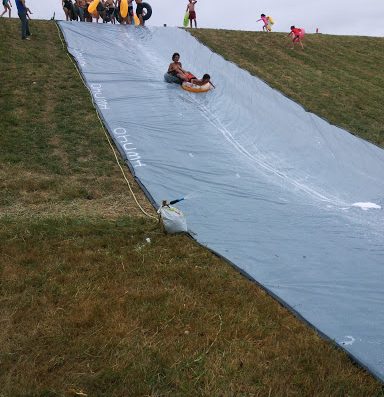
<point>97,92</point>
<point>129,148</point>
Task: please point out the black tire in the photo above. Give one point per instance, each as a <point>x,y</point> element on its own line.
<point>148,10</point>
<point>169,78</point>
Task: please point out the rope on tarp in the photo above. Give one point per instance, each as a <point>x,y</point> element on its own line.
<point>104,129</point>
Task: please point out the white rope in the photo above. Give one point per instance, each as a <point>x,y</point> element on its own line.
<point>104,129</point>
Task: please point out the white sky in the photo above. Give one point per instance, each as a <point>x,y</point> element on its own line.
<point>351,17</point>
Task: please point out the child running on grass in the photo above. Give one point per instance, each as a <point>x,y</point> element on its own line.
<point>297,34</point>
<point>192,12</point>
<point>266,22</point>
<point>7,7</point>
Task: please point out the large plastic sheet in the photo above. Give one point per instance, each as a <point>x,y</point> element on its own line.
<point>289,199</point>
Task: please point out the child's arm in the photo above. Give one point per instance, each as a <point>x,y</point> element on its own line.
<point>181,69</point>
<point>197,82</point>
<point>178,69</point>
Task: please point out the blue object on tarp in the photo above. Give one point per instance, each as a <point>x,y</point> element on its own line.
<point>291,200</point>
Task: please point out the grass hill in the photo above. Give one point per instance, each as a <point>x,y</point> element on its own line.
<point>87,306</point>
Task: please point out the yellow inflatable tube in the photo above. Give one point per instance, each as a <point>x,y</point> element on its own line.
<point>124,8</point>
<point>196,88</point>
<point>92,7</point>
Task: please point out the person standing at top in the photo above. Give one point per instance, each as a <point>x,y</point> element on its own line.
<point>266,22</point>
<point>101,11</point>
<point>81,5</point>
<point>192,12</point>
<point>110,7</point>
<point>22,12</point>
<point>139,11</point>
<point>68,9</point>
<point>130,12</point>
<point>124,20</point>
<point>7,7</point>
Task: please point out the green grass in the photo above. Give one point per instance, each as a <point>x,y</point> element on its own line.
<point>87,306</point>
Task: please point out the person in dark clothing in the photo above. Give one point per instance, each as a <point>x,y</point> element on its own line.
<point>68,9</point>
<point>139,11</point>
<point>22,10</point>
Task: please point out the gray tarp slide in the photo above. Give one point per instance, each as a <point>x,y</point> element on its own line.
<point>291,200</point>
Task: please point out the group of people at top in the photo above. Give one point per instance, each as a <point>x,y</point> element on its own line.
<point>107,10</point>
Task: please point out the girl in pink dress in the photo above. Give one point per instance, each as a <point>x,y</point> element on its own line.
<point>266,22</point>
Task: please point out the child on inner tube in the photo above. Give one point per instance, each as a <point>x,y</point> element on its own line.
<point>206,79</point>
<point>175,69</point>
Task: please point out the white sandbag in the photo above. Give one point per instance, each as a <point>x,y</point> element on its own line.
<point>173,219</point>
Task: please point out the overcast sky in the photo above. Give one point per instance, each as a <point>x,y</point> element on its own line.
<point>350,17</point>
